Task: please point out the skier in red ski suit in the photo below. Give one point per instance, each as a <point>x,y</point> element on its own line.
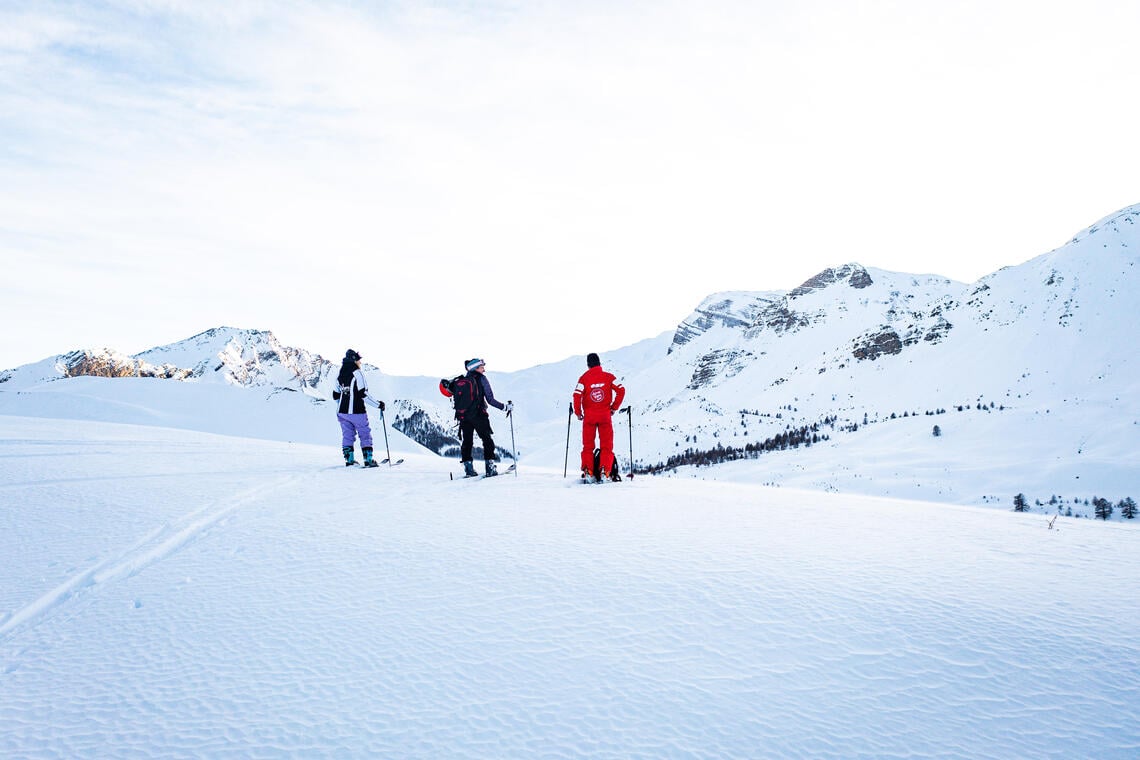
<point>596,397</point>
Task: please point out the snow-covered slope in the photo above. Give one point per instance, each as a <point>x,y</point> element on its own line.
<point>175,594</point>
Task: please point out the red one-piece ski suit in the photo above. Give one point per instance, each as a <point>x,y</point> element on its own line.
<point>597,396</point>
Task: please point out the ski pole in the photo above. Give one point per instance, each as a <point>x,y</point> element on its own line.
<point>514,450</point>
<point>566,460</point>
<point>386,449</point>
<point>629,415</point>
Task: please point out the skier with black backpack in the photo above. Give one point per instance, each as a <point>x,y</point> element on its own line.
<point>471,394</point>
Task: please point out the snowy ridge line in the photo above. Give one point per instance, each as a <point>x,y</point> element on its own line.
<point>154,547</point>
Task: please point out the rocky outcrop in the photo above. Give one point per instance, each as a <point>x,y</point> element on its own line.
<point>939,330</point>
<point>784,316</point>
<point>736,311</point>
<point>871,347</point>
<point>888,340</point>
<point>717,366</point>
<point>111,364</point>
<point>852,274</point>
<point>781,318</point>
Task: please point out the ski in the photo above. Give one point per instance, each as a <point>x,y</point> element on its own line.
<point>362,466</point>
<point>593,480</point>
<point>509,469</point>
<point>377,462</point>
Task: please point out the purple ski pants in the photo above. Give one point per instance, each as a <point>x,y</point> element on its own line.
<point>352,425</point>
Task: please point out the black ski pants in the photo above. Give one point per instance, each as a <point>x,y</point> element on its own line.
<point>477,423</point>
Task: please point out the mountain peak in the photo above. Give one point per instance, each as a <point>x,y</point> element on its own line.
<point>1125,219</point>
<point>246,357</point>
<point>853,274</point>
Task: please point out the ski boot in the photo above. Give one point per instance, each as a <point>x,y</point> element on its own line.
<point>491,470</point>
<point>368,460</point>
<point>615,476</point>
<point>349,456</point>
<point>469,470</point>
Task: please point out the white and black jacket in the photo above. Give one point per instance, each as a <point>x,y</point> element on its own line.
<point>354,395</point>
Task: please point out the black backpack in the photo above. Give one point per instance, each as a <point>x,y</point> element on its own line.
<point>465,394</point>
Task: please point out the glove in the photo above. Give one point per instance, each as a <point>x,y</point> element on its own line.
<point>510,407</point>
<point>382,407</point>
<point>581,417</point>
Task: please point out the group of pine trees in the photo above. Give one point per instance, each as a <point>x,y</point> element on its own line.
<point>789,439</point>
<point>1102,508</point>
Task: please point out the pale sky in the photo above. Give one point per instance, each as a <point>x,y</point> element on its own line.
<point>525,181</point>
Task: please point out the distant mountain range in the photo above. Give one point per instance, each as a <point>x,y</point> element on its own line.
<point>1030,375</point>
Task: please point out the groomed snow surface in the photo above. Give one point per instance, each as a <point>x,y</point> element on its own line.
<point>177,594</point>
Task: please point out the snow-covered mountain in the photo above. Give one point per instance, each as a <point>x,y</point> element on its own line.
<point>856,344</point>
<point>858,380</point>
<point>247,358</point>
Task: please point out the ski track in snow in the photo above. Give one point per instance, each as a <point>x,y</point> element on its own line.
<point>397,613</point>
<point>160,543</point>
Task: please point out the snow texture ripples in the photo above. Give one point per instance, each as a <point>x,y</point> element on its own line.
<point>183,595</point>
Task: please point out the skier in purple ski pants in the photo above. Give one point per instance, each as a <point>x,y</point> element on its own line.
<point>352,395</point>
